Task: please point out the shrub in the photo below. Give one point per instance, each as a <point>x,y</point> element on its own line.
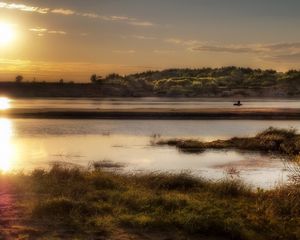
<point>180,182</point>
<point>231,188</point>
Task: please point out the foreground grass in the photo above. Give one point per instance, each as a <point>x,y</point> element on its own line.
<point>73,203</point>
<point>271,140</point>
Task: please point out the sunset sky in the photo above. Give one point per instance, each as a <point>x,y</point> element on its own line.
<point>71,39</point>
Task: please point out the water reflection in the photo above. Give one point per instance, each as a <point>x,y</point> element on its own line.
<point>26,144</point>
<point>4,103</point>
<point>6,147</point>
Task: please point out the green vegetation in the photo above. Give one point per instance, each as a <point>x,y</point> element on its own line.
<point>203,82</point>
<point>73,203</point>
<point>222,82</point>
<point>271,140</point>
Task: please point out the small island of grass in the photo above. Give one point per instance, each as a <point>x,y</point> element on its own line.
<point>280,141</point>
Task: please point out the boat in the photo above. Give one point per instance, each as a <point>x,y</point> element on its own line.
<point>238,104</point>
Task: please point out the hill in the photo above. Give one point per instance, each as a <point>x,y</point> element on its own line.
<point>203,82</point>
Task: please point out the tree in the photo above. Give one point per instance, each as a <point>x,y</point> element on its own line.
<point>95,79</point>
<point>19,79</point>
<point>113,76</point>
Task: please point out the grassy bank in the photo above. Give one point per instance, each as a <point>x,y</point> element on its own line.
<point>74,203</point>
<point>271,140</point>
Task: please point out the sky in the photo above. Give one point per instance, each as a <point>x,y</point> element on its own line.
<point>73,39</point>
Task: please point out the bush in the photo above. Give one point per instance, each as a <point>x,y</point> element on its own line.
<point>170,182</point>
<point>232,188</point>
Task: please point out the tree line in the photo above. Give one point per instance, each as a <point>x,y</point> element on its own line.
<point>206,81</point>
<point>202,82</point>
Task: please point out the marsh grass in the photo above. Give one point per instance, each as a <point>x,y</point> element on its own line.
<point>271,140</point>
<point>106,164</point>
<point>94,204</point>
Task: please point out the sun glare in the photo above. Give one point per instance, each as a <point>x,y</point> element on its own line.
<point>4,103</point>
<point>6,151</point>
<point>7,33</point>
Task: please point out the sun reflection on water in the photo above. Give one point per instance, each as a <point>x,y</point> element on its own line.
<point>6,147</point>
<point>4,103</point>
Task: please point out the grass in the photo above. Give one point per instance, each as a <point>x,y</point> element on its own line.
<point>73,203</point>
<point>107,164</point>
<point>271,140</point>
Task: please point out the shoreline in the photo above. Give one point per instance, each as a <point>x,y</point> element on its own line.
<point>158,114</point>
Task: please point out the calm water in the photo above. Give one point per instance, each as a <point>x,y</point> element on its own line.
<point>176,103</point>
<point>28,144</point>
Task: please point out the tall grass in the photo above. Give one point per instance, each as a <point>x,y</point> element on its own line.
<point>91,204</point>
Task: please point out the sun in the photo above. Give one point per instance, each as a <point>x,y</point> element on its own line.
<point>7,33</point>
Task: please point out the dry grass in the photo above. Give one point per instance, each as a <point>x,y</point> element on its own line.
<point>271,140</point>
<point>94,204</point>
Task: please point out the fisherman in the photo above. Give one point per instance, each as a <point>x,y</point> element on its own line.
<point>238,103</point>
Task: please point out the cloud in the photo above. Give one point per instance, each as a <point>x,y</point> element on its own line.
<point>89,15</point>
<point>283,46</point>
<point>290,58</point>
<point>128,20</point>
<point>274,52</point>
<point>226,49</point>
<point>288,52</point>
<point>63,11</point>
<point>119,18</point>
<point>250,48</point>
<point>70,12</point>
<point>157,51</point>
<point>42,31</point>
<point>23,7</point>
<point>105,18</point>
<point>38,29</point>
<point>125,51</point>
<point>174,40</point>
<point>140,37</point>
<point>14,62</point>
<point>57,32</point>
<point>142,24</point>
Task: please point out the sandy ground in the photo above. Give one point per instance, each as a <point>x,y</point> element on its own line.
<point>10,215</point>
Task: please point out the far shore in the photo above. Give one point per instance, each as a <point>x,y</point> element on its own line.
<point>158,114</point>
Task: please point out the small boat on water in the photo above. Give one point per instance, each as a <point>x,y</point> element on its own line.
<point>238,104</point>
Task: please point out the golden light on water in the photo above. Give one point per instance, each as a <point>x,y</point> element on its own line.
<point>6,148</point>
<point>7,33</point>
<point>4,103</point>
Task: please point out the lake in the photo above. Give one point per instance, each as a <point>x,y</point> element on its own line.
<point>32,143</point>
